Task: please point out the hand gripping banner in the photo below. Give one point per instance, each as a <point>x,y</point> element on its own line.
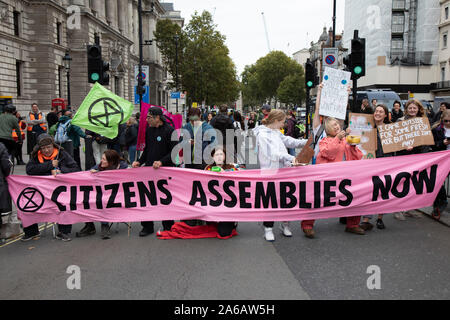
<point>334,190</point>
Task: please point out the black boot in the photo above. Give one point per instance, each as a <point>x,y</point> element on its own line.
<point>88,230</point>
<point>105,232</point>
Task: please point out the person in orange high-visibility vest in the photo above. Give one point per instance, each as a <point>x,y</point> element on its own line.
<point>36,126</point>
<point>18,151</point>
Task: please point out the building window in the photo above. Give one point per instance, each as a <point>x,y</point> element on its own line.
<point>16,15</point>
<point>398,4</point>
<point>117,86</point>
<point>444,40</point>
<point>446,13</point>
<point>19,77</point>
<point>397,44</point>
<point>443,72</point>
<point>58,32</point>
<point>398,23</point>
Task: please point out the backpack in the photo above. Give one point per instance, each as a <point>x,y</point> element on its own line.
<point>61,132</point>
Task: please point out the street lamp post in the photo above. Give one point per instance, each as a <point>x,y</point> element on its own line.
<point>67,59</point>
<point>177,38</point>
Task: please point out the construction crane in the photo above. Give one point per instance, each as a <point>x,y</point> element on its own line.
<point>267,34</point>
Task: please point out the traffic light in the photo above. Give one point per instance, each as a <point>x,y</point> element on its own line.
<point>95,63</point>
<point>358,57</point>
<point>311,79</point>
<point>104,79</point>
<point>348,63</point>
<point>141,86</point>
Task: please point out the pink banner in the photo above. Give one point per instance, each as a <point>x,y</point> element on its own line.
<point>313,192</point>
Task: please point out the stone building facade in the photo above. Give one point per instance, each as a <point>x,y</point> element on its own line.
<point>36,34</point>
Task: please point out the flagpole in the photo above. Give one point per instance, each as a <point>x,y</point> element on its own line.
<point>139,88</point>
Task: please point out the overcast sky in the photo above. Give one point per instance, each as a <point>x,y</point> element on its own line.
<point>291,24</point>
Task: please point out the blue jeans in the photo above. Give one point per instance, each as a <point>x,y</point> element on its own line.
<point>292,151</point>
<point>132,153</point>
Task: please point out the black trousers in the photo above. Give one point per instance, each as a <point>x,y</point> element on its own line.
<point>441,198</point>
<point>226,228</point>
<point>34,229</point>
<point>149,225</point>
<point>268,224</point>
<point>10,145</point>
<point>76,156</point>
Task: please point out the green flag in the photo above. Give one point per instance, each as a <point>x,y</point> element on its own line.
<point>102,112</point>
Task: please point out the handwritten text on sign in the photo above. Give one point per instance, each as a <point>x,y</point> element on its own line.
<point>405,134</point>
<point>334,97</point>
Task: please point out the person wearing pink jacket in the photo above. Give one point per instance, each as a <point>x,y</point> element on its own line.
<point>334,148</point>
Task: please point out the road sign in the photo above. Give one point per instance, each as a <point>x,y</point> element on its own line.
<point>331,57</point>
<point>145,75</point>
<point>175,95</point>
<point>145,96</point>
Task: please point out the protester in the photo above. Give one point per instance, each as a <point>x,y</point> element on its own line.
<point>381,116</point>
<point>111,160</point>
<point>374,104</point>
<point>334,148</point>
<point>198,131</point>
<point>265,110</point>
<point>36,126</point>
<point>64,131</point>
<point>209,117</point>
<point>438,116</point>
<point>252,121</point>
<point>366,108</point>
<point>48,159</point>
<point>52,117</point>
<point>441,134</point>
<point>5,170</point>
<point>8,123</point>
<point>397,112</point>
<point>239,129</point>
<point>413,109</point>
<point>131,136</point>
<point>99,145</point>
<point>272,154</point>
<point>157,153</point>
<point>291,124</point>
<point>19,144</point>
<point>222,123</point>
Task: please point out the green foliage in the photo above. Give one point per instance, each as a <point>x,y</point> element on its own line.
<point>275,76</point>
<point>205,69</point>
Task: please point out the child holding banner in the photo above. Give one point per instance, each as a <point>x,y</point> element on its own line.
<point>221,230</point>
<point>334,148</point>
<point>272,154</point>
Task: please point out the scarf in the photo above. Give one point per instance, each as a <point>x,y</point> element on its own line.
<point>43,158</point>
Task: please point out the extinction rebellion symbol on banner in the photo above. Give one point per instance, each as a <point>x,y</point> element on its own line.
<point>30,200</point>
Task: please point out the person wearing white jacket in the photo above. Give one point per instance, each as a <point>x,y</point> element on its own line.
<point>273,154</point>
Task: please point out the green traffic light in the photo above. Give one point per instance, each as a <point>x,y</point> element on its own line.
<point>95,77</point>
<point>309,84</point>
<point>358,70</point>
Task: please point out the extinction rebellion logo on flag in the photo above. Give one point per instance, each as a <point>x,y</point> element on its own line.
<point>104,111</point>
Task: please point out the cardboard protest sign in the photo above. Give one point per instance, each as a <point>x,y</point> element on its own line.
<point>305,156</point>
<point>363,125</point>
<point>334,97</point>
<point>401,135</point>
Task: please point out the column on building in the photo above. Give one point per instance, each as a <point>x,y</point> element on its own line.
<point>99,7</point>
<point>111,13</point>
<point>122,7</point>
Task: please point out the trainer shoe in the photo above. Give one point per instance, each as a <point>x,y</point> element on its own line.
<point>105,234</point>
<point>355,230</point>
<point>145,232</point>
<point>32,237</point>
<point>309,233</point>
<point>268,234</point>
<point>366,226</point>
<point>380,224</point>
<point>284,227</point>
<point>64,237</point>
<point>88,230</point>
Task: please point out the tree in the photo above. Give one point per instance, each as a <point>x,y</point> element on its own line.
<point>206,71</point>
<point>249,87</point>
<point>292,90</point>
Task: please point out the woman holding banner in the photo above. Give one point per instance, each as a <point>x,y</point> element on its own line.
<point>47,159</point>
<point>381,116</point>
<point>111,160</point>
<point>413,109</point>
<point>441,134</point>
<point>272,154</point>
<point>334,148</point>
